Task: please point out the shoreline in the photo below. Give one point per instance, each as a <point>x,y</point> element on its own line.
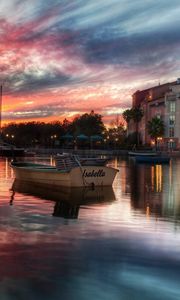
<point>95,152</point>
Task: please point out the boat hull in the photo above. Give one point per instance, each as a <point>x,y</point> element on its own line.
<point>136,153</point>
<point>152,160</point>
<point>76,177</point>
<point>78,195</point>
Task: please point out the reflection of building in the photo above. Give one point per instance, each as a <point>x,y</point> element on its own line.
<point>154,189</point>
<point>171,203</point>
<point>162,101</point>
<point>146,188</point>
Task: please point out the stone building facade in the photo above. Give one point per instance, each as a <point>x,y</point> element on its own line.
<point>162,101</point>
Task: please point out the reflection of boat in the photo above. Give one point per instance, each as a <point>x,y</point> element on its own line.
<point>141,153</point>
<point>67,200</point>
<point>152,159</point>
<point>67,172</point>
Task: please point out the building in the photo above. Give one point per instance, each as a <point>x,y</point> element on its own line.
<point>162,101</point>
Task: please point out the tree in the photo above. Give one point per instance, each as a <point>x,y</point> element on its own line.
<point>48,134</point>
<point>155,128</point>
<point>127,115</point>
<point>137,114</point>
<point>32,133</point>
<point>116,132</point>
<point>88,124</point>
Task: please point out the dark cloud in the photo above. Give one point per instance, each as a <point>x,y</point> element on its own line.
<point>23,83</point>
<point>140,49</point>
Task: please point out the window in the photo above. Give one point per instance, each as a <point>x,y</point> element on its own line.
<point>158,116</point>
<point>172,106</point>
<point>171,132</point>
<point>171,120</point>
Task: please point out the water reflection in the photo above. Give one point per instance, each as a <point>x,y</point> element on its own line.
<point>67,200</point>
<point>154,189</point>
<point>114,250</point>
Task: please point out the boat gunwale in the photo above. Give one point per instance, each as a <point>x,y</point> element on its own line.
<point>53,169</point>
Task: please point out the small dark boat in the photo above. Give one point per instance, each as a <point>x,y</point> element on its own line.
<point>142,153</point>
<point>153,159</point>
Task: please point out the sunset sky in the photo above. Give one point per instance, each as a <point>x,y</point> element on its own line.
<point>60,58</point>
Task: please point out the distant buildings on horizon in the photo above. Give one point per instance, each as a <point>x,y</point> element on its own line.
<point>162,101</point>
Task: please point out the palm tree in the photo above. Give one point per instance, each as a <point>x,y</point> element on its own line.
<point>156,128</point>
<point>137,114</point>
<point>127,116</point>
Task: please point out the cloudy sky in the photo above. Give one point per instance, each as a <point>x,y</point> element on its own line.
<point>60,58</point>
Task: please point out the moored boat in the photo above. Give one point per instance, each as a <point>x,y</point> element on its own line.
<point>68,172</point>
<point>142,153</point>
<point>86,161</point>
<point>153,159</point>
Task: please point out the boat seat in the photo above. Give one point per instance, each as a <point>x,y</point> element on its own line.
<point>66,162</point>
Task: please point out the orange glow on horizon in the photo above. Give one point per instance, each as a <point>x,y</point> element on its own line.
<point>62,103</point>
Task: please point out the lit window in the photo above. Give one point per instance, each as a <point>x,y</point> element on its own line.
<point>158,116</point>
<point>171,120</point>
<point>172,106</point>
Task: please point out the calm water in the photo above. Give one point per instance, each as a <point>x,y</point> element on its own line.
<point>120,243</point>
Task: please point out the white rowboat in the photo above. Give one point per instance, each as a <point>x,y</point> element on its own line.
<point>71,176</point>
